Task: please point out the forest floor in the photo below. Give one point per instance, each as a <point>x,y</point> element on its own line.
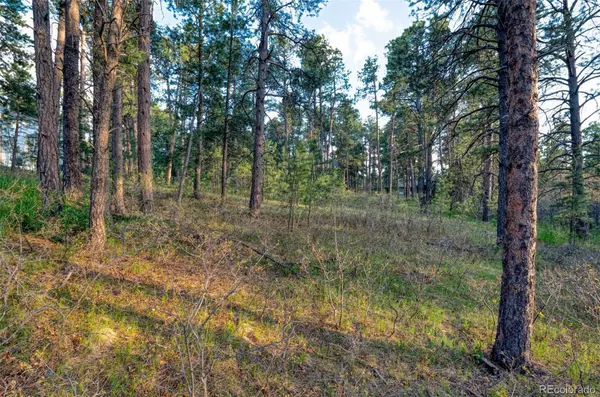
<point>367,297</point>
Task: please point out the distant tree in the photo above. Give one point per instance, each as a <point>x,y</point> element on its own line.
<point>276,19</point>
<point>143,116</point>
<point>17,94</point>
<point>14,43</point>
<point>17,91</point>
<point>369,79</point>
<point>117,149</point>
<point>570,66</point>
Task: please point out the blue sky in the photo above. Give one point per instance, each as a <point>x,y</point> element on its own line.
<point>358,28</point>
<point>361,28</point>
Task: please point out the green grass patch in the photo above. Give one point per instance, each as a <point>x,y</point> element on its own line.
<point>552,235</point>
<point>20,204</point>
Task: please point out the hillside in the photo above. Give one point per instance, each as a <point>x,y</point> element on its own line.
<point>365,297</point>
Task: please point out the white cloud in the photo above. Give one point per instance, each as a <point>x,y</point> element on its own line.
<point>372,15</point>
<point>365,35</point>
<point>352,41</point>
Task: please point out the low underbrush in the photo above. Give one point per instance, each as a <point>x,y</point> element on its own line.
<point>362,296</point>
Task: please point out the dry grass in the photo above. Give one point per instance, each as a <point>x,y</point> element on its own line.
<point>367,298</point>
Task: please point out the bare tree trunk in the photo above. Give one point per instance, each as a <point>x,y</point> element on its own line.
<point>517,300</point>
<point>259,127</point>
<point>369,185</point>
<point>15,148</point>
<point>174,125</point>
<point>330,135</point>
<point>130,135</point>
<point>144,133</point>
<point>47,162</point>
<point>186,161</point>
<point>225,142</point>
<point>59,53</point>
<point>391,153</point>
<point>578,224</point>
<point>71,160</point>
<point>127,146</point>
<point>100,165</point>
<point>84,161</point>
<point>410,169</point>
<point>377,150</point>
<point>198,169</point>
<point>428,170</point>
<point>1,144</point>
<point>503,121</point>
<point>487,179</point>
<point>200,116</point>
<point>421,161</point>
<point>117,150</point>
<point>97,61</point>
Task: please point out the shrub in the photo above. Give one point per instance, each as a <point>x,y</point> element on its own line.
<point>20,203</point>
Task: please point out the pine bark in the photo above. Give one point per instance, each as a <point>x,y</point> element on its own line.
<point>15,148</point>
<point>198,168</point>
<point>259,125</point>
<point>71,100</point>
<point>428,170</point>
<point>578,223</point>
<point>186,161</point>
<point>83,158</point>
<point>174,124</point>
<point>225,140</point>
<point>391,151</point>
<point>200,112</point>
<point>117,150</point>
<point>97,61</point>
<point>143,116</point>
<point>512,347</point>
<point>487,179</point>
<point>503,84</point>
<point>59,53</point>
<point>100,165</point>
<point>377,149</point>
<point>47,105</point>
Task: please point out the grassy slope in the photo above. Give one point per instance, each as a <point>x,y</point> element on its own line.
<point>368,299</point>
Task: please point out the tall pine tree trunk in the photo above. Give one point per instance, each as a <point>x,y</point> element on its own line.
<point>391,151</point>
<point>503,121</point>
<point>186,160</point>
<point>259,126</point>
<point>487,179</point>
<point>117,149</point>
<point>578,224</point>
<point>83,158</point>
<point>378,143</point>
<point>225,141</point>
<point>143,117</point>
<point>47,106</point>
<point>97,61</point>
<point>59,53</point>
<point>200,116</point>
<point>512,347</point>
<point>71,100</point>
<point>15,148</point>
<point>330,133</point>
<point>100,165</point>
<point>174,125</point>
<point>198,167</point>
